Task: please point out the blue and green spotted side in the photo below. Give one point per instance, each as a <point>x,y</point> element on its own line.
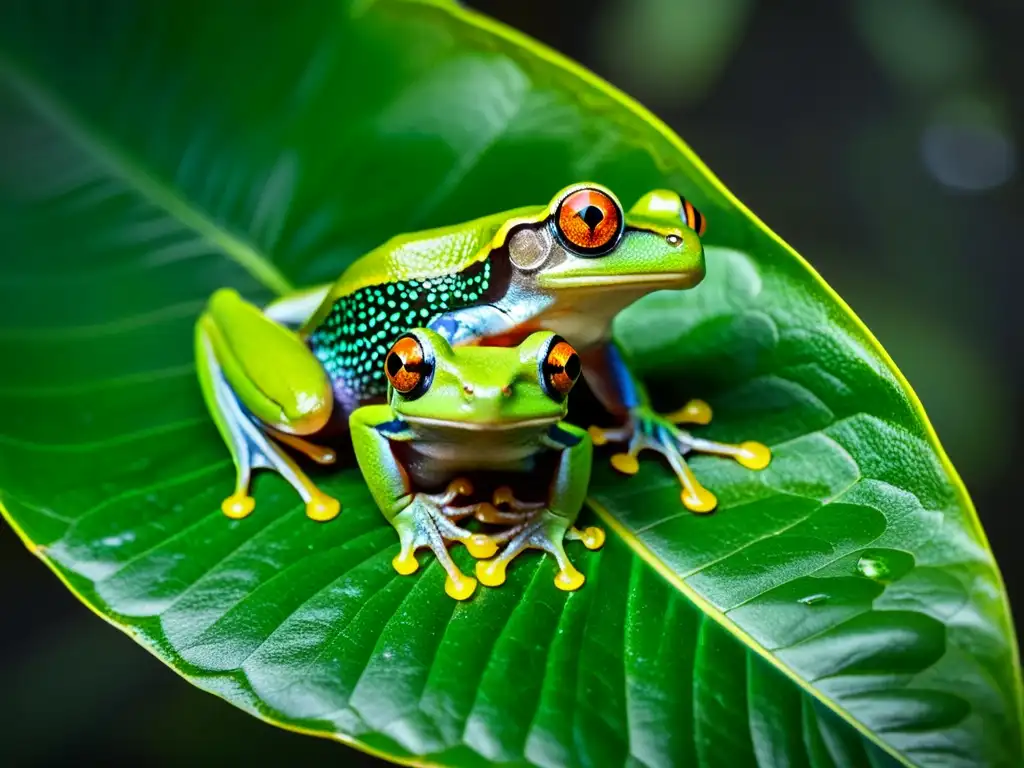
<point>354,337</point>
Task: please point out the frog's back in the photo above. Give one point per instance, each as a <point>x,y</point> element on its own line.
<point>400,285</point>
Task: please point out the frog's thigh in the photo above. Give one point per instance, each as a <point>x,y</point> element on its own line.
<point>231,374</point>
<point>267,366</point>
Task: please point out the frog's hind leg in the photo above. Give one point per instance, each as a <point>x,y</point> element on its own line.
<point>260,380</point>
<point>248,441</point>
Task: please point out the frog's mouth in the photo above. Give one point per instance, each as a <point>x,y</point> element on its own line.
<point>663,279</point>
<point>481,426</point>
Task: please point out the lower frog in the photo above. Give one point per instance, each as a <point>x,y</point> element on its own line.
<point>453,412</point>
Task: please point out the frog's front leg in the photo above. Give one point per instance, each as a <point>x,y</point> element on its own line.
<point>613,383</point>
<point>262,384</point>
<point>546,526</point>
<point>421,519</point>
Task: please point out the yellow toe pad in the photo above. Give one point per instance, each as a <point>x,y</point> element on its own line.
<point>461,588</point>
<point>569,580</point>
<point>625,463</point>
<point>502,495</point>
<point>694,412</point>
<point>491,574</point>
<point>322,508</point>
<point>238,506</point>
<point>480,545</point>
<point>754,455</point>
<point>405,563</point>
<point>597,436</point>
<point>593,537</point>
<point>701,500</point>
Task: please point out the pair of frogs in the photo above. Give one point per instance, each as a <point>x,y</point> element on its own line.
<point>473,335</point>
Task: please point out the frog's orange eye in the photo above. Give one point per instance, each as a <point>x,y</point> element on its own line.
<point>693,218</point>
<point>560,368</point>
<point>589,222</point>
<point>409,367</point>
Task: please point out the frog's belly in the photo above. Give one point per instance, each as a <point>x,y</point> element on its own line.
<point>493,456</point>
<point>434,464</point>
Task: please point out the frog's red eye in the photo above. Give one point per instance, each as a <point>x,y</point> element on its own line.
<point>589,222</point>
<point>560,368</point>
<point>408,367</point>
<point>692,217</point>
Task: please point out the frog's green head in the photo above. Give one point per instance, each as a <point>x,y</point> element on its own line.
<point>486,388</point>
<point>584,240</point>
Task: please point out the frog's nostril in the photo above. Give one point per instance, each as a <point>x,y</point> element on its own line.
<point>673,240</point>
<point>468,389</point>
<point>506,391</point>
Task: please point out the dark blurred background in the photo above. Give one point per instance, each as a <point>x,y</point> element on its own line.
<point>880,138</point>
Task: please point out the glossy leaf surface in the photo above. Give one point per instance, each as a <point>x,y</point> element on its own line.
<point>841,607</point>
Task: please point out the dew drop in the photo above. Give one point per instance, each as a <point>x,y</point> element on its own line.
<point>873,567</point>
<point>815,599</point>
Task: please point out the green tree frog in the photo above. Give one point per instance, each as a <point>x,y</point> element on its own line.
<point>291,373</point>
<point>453,412</point>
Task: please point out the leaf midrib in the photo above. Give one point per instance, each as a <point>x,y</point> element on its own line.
<point>119,164</point>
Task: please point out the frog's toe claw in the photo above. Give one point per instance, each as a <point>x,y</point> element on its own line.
<point>405,562</point>
<point>626,463</point>
<point>238,505</point>
<point>597,435</point>
<point>694,412</point>
<point>322,508</point>
<point>459,586</point>
<point>481,546</point>
<point>754,455</point>
<point>491,573</point>
<point>569,579</point>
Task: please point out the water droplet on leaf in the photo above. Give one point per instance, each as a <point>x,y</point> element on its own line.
<point>873,567</point>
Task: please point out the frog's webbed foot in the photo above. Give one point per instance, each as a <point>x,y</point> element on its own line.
<point>647,430</point>
<point>537,528</point>
<point>252,448</point>
<point>429,521</point>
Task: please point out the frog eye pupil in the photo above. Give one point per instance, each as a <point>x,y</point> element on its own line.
<point>394,364</point>
<point>572,366</point>
<point>592,216</point>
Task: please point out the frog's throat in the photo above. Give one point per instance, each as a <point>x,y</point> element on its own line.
<point>668,280</point>
<point>481,426</point>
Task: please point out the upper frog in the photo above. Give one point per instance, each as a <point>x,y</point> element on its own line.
<point>569,266</point>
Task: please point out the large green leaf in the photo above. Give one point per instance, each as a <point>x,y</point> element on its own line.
<point>842,607</point>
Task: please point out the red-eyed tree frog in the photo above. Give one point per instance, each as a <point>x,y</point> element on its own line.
<point>455,413</point>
